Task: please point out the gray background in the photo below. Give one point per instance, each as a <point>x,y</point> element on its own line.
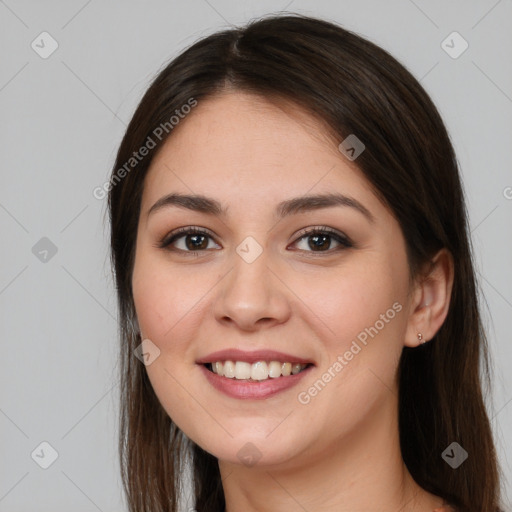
<point>62,119</point>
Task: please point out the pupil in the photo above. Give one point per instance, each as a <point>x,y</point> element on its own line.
<point>194,245</point>
<point>316,238</point>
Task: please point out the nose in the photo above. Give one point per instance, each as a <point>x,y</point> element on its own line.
<point>252,296</point>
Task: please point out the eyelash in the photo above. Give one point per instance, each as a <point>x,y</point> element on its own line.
<point>343,240</point>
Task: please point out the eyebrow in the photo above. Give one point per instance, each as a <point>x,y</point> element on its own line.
<point>303,204</point>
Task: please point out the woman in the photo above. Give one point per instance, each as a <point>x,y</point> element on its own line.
<point>293,267</point>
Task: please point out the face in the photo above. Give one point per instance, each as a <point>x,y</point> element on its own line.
<point>323,283</point>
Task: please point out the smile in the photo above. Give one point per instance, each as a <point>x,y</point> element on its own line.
<point>258,371</point>
<point>245,387</point>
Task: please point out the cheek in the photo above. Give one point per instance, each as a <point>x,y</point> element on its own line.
<point>358,314</point>
<point>360,322</point>
<point>346,302</point>
<point>166,299</point>
<point>166,302</point>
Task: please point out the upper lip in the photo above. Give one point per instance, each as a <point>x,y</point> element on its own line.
<point>251,357</point>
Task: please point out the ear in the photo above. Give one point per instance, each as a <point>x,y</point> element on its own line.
<point>430,299</point>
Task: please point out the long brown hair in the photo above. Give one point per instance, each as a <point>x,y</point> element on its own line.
<point>354,87</point>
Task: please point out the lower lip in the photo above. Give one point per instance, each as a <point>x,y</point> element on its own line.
<point>253,390</point>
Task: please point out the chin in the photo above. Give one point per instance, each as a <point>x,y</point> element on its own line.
<point>255,450</point>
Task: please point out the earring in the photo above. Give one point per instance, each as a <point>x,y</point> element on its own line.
<point>420,338</point>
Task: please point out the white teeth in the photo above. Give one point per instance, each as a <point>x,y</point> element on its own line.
<point>274,369</point>
<point>242,370</point>
<point>217,368</point>
<point>286,369</point>
<point>228,368</point>
<point>261,370</point>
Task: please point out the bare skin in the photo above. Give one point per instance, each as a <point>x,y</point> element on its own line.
<point>339,450</point>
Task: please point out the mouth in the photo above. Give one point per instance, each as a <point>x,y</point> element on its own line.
<point>256,381</point>
<point>256,372</point>
<point>256,375</point>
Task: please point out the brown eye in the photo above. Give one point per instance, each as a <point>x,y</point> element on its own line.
<point>194,242</point>
<point>320,240</point>
<point>194,239</point>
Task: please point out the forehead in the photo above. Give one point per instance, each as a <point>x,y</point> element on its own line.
<point>243,143</point>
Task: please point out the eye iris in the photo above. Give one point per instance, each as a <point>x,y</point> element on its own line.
<point>315,245</point>
<point>194,239</point>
